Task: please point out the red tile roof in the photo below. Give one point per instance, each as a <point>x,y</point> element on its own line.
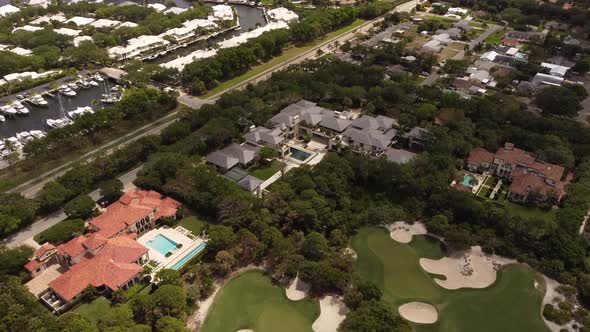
<point>74,247</point>
<point>130,208</point>
<point>514,156</point>
<point>551,171</point>
<point>478,156</point>
<point>94,241</point>
<point>524,181</point>
<point>112,267</point>
<point>32,265</point>
<point>43,249</point>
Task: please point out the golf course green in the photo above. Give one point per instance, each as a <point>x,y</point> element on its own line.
<point>511,304</point>
<point>251,301</point>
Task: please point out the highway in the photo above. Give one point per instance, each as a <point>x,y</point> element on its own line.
<point>32,187</point>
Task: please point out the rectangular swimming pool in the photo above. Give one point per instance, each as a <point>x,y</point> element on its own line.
<point>298,154</point>
<point>188,256</point>
<point>162,244</point>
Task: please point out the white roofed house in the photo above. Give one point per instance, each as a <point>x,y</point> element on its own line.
<point>81,39</point>
<point>175,10</point>
<point>80,21</point>
<point>157,7</point>
<point>141,46</point>
<point>39,3</point>
<point>555,70</point>
<point>21,51</point>
<point>59,17</point>
<point>282,14</point>
<point>105,23</point>
<point>8,10</point>
<point>222,12</point>
<point>371,135</point>
<point>68,32</point>
<point>433,46</point>
<point>27,27</point>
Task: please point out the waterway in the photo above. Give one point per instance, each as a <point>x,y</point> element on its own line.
<point>249,18</point>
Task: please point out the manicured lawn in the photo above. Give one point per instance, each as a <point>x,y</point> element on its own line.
<point>94,310</point>
<point>529,212</point>
<point>512,304</point>
<point>193,224</point>
<point>496,37</point>
<point>251,301</point>
<point>287,54</point>
<point>266,171</point>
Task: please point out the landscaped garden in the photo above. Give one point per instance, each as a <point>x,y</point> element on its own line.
<point>192,223</point>
<point>251,301</point>
<point>512,303</point>
<point>94,310</point>
<point>265,171</point>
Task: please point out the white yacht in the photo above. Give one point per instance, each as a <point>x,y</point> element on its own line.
<point>93,83</point>
<point>20,108</point>
<point>58,123</point>
<point>37,133</point>
<point>8,110</point>
<point>2,118</point>
<point>24,137</point>
<point>98,78</point>
<point>66,91</point>
<point>83,83</point>
<point>38,101</point>
<point>80,111</point>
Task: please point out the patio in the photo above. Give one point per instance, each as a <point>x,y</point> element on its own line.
<point>180,239</point>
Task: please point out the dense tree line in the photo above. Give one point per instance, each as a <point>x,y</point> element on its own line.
<point>202,75</point>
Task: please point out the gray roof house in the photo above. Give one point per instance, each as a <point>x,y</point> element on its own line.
<point>370,134</point>
<point>416,137</point>
<point>399,156</point>
<point>250,183</point>
<point>265,136</point>
<point>233,154</point>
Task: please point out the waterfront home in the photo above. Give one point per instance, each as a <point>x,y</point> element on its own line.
<point>137,46</point>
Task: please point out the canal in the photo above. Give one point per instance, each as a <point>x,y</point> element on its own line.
<point>249,18</point>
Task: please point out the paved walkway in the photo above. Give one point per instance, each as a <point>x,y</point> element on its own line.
<point>25,236</point>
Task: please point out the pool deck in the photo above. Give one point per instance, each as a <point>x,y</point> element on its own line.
<point>188,244</point>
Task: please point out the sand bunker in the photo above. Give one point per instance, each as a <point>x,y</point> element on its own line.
<point>297,290</point>
<point>468,269</point>
<point>246,330</point>
<point>419,312</point>
<point>403,232</point>
<point>332,313</point>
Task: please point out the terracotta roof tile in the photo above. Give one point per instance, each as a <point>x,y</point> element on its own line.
<point>480,155</point>
<point>43,249</point>
<point>74,247</point>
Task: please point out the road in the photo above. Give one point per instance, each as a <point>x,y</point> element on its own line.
<point>491,29</point>
<point>26,234</point>
<point>29,190</point>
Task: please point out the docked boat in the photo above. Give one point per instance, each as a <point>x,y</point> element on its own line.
<point>13,143</point>
<point>116,88</point>
<point>37,133</point>
<point>2,118</point>
<point>109,98</point>
<point>38,101</point>
<point>67,91</point>
<point>8,110</point>
<point>93,83</point>
<point>80,111</point>
<point>24,137</point>
<point>98,78</point>
<point>73,86</point>
<point>58,123</point>
<point>84,84</point>
<point>20,108</point>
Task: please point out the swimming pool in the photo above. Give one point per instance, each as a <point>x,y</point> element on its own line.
<point>162,244</point>
<point>468,180</point>
<point>188,257</point>
<point>298,154</point>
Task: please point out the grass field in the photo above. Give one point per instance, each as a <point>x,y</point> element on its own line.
<point>265,172</point>
<point>193,224</point>
<point>93,310</point>
<point>287,54</point>
<point>512,304</point>
<point>251,301</point>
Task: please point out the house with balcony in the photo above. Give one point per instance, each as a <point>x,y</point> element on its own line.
<point>525,173</point>
<point>108,259</point>
<point>306,118</point>
<point>265,137</point>
<point>371,135</point>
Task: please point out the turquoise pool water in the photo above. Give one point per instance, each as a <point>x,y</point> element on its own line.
<point>188,256</point>
<point>298,154</point>
<point>162,244</point>
<point>467,178</point>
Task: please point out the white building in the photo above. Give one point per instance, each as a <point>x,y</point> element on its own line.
<point>8,10</point>
<point>489,56</point>
<point>457,11</point>
<point>105,23</point>
<point>39,3</point>
<point>28,75</point>
<point>67,32</point>
<point>136,46</point>
<point>79,40</point>
<point>555,70</point>
<point>21,51</point>
<point>242,38</point>
<point>180,63</point>
<point>157,7</point>
<point>282,14</point>
<point>48,19</point>
<point>128,24</point>
<point>80,21</point>
<point>222,12</point>
<point>175,10</point>
<point>27,28</point>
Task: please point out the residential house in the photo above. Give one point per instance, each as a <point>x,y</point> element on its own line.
<point>232,155</point>
<point>523,171</point>
<point>272,138</point>
<point>546,79</point>
<point>416,138</point>
<point>555,70</point>
<point>305,118</point>
<point>110,258</point>
<point>369,134</point>
<point>457,11</point>
<point>524,36</point>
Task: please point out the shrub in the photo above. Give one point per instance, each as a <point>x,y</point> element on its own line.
<point>61,232</point>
